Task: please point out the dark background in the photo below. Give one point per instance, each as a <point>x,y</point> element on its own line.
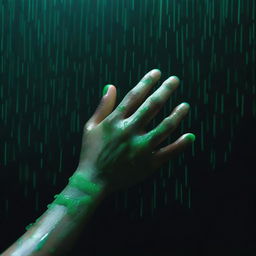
<point>56,56</point>
<point>220,222</point>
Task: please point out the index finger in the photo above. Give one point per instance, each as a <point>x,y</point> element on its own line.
<point>134,98</point>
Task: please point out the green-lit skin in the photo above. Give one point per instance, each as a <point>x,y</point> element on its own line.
<point>116,153</point>
<point>31,224</point>
<point>105,90</point>
<point>114,138</point>
<point>20,240</point>
<point>41,243</point>
<point>78,181</point>
<point>191,137</point>
<point>71,204</point>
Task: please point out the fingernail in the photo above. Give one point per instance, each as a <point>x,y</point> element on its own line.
<point>191,137</point>
<point>105,89</point>
<point>155,72</point>
<point>185,103</point>
<point>175,80</point>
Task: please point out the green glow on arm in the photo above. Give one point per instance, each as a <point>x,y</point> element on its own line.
<point>42,242</point>
<point>31,224</point>
<point>78,181</point>
<point>71,204</point>
<point>58,228</point>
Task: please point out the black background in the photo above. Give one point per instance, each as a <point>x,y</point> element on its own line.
<point>221,220</point>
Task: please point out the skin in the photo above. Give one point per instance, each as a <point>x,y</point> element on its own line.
<point>115,142</point>
<point>116,153</point>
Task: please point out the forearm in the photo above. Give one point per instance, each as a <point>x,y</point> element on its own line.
<point>58,228</point>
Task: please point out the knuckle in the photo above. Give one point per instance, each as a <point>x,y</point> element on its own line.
<point>179,114</point>
<point>170,123</point>
<point>86,128</point>
<point>155,102</point>
<point>132,95</point>
<point>124,125</point>
<point>109,120</point>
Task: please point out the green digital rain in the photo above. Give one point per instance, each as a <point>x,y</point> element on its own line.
<point>56,57</point>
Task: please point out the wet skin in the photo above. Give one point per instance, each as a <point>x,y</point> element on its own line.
<point>115,145</point>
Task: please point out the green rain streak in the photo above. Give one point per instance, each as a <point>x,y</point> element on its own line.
<point>108,40</point>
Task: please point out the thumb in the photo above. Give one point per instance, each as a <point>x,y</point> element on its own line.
<point>105,107</point>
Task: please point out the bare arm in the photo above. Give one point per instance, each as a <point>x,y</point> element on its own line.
<point>57,229</point>
<point>116,153</point>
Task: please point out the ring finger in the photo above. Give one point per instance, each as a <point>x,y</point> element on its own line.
<point>167,126</point>
<point>147,111</point>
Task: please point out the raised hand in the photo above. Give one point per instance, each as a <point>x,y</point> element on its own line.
<point>115,147</point>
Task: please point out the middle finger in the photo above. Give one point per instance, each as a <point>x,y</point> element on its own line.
<point>147,111</point>
<point>135,97</point>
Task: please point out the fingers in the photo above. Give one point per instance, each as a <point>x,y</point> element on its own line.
<point>135,97</point>
<point>164,154</point>
<point>105,107</point>
<point>167,126</point>
<point>147,111</point>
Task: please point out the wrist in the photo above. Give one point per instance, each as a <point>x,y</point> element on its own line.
<point>82,191</point>
<point>61,224</point>
<point>91,174</point>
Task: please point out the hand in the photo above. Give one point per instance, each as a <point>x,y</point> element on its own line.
<point>115,144</point>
